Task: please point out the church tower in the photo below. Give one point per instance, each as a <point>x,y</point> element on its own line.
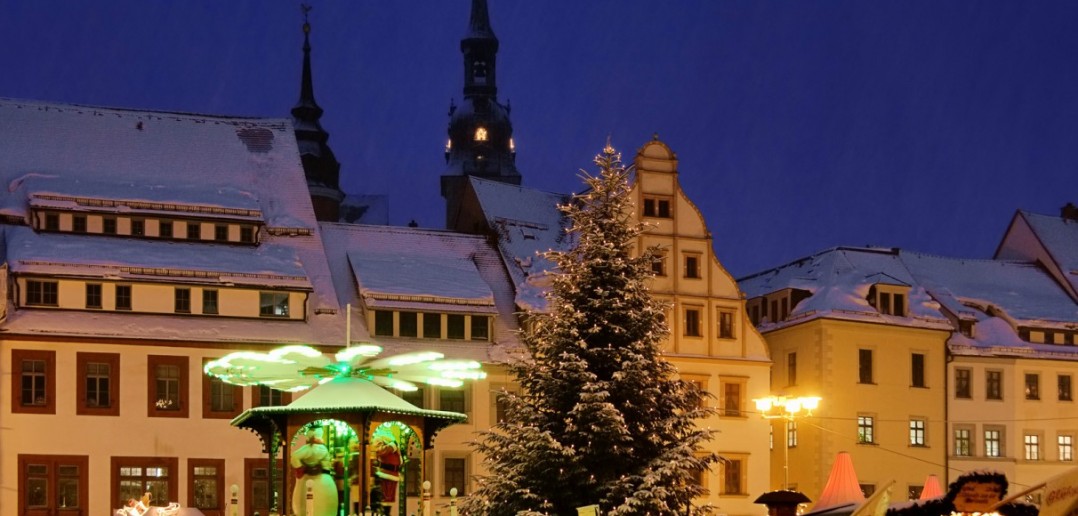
<point>480,133</point>
<point>319,164</point>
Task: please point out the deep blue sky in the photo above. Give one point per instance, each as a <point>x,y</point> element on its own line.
<point>799,125</point>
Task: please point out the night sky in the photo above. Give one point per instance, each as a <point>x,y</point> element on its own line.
<point>799,125</point>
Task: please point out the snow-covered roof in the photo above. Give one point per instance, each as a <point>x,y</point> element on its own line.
<point>1060,238</point>
<point>528,223</point>
<point>418,269</point>
<point>365,209</point>
<point>59,254</point>
<point>246,168</point>
<point>839,280</point>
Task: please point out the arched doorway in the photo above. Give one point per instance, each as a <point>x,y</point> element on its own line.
<point>397,464</point>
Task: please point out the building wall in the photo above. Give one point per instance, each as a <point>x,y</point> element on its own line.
<point>130,433</point>
<point>1043,415</point>
<point>828,366</point>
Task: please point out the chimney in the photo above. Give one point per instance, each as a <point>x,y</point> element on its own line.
<point>1069,212</point>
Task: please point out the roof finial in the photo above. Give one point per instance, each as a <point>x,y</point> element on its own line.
<point>306,8</point>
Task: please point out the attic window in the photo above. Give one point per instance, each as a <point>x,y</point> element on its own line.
<point>257,139</point>
<point>888,299</point>
<point>654,207</point>
<point>480,134</point>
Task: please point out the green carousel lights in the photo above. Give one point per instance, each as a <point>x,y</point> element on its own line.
<point>297,368</point>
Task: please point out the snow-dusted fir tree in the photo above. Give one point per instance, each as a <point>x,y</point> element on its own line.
<point>601,417</point>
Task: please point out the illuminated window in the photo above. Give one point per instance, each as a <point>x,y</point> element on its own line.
<point>993,441</point>
<point>963,442</point>
<point>273,304</point>
<point>206,485</point>
<point>917,432</point>
<point>480,134</point>
<point>1032,444</point>
<point>134,476</point>
<point>1066,447</point>
<point>53,484</point>
<point>866,429</point>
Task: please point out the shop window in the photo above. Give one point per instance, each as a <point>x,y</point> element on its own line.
<point>33,382</point>
<point>206,485</point>
<point>1065,445</point>
<point>97,384</point>
<point>167,386</point>
<point>42,293</point>
<point>132,477</point>
<point>53,484</point>
<point>273,304</point>
<point>791,434</point>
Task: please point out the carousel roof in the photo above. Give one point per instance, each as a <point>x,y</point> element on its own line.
<point>348,395</point>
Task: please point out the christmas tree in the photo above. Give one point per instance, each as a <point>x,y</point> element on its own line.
<point>601,419</point>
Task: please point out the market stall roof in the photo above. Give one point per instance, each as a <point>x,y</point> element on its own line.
<point>347,395</point>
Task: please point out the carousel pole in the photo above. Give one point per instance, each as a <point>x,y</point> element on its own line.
<point>365,463</point>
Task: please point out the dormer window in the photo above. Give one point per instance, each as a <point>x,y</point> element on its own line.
<point>889,299</point>
<point>480,134</point>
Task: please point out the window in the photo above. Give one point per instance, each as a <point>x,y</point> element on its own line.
<point>864,365</point>
<point>656,207</point>
<point>164,229</point>
<point>963,442</point>
<point>993,385</point>
<point>866,426</point>
<point>93,295</point>
<point>123,297</point>
<point>247,234</point>
<point>134,476</point>
<point>206,485</point>
<point>732,476</point>
<point>220,399</point>
<point>658,265</point>
<point>731,399</point>
<point>263,396</point>
<point>791,434</point>
<point>480,327</point>
<point>78,223</point>
<point>138,227</point>
<point>867,489</point>
<point>194,231</point>
<point>1033,386</point>
<point>52,222</point>
<point>97,384</point>
<point>917,370</point>
<point>726,324</point>
<point>42,293</point>
<point>993,441</point>
<point>889,303</point>
<point>53,484</point>
<point>167,386</point>
<point>480,132</point>
<point>209,301</point>
<point>414,397</point>
<point>1063,383</point>
<point>1032,445</point>
<point>182,297</point>
<point>220,232</point>
<point>914,492</point>
<point>256,490</point>
<point>454,472</point>
<point>962,379</point>
<point>383,323</point>
<point>692,266</point>
<point>273,304</point>
<point>692,322</point>
<point>917,432</point>
<point>108,225</point>
<point>1066,447</point>
<point>454,326</point>
<point>432,326</point>
<point>409,324</point>
<point>33,384</point>
<point>451,400</point>
<point>791,369</point>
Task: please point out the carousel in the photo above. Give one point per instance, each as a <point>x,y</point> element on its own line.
<point>347,444</point>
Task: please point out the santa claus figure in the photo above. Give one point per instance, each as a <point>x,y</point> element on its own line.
<point>312,462</point>
<point>388,468</point>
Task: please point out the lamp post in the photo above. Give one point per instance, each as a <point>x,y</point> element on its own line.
<point>787,409</point>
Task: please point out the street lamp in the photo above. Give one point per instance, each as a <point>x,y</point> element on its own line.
<point>786,408</point>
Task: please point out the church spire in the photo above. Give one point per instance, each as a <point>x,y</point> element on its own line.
<point>480,133</point>
<point>319,164</point>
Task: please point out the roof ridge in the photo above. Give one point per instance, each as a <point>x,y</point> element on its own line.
<point>8,101</point>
